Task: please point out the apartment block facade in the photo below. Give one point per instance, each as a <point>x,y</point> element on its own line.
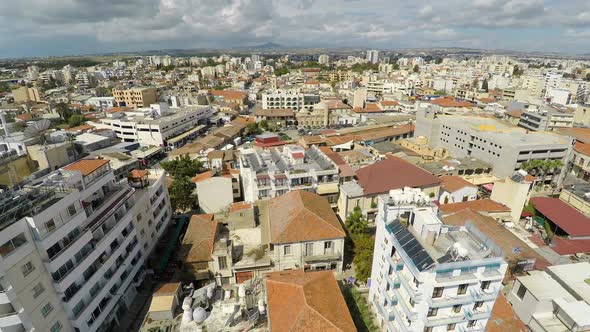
<point>135,97</point>
<point>427,276</point>
<point>76,241</point>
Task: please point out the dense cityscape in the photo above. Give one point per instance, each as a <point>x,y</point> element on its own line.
<point>276,189</point>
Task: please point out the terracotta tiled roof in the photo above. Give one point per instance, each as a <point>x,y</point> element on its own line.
<point>503,318</point>
<point>300,216</point>
<point>450,102</point>
<point>312,82</point>
<point>229,94</point>
<point>118,109</point>
<point>282,112</point>
<point>372,107</point>
<point>570,220</point>
<point>514,113</point>
<point>480,205</point>
<point>453,183</point>
<point>197,245</point>
<point>583,148</point>
<point>306,301</point>
<point>25,116</point>
<point>389,102</point>
<point>238,206</point>
<point>486,100</point>
<point>581,134</point>
<point>84,127</point>
<point>138,173</point>
<point>499,234</point>
<point>336,104</point>
<point>203,176</point>
<point>86,166</point>
<point>393,173</point>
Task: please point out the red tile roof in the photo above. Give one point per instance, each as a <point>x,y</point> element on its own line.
<point>564,246</point>
<point>583,148</point>
<point>300,216</point>
<point>306,301</point>
<point>514,113</point>
<point>229,94</point>
<point>202,176</point>
<point>451,102</point>
<point>239,206</point>
<point>480,205</point>
<point>393,173</point>
<point>197,245</point>
<point>563,215</point>
<point>86,166</point>
<point>503,318</point>
<point>452,183</point>
<point>84,127</point>
<point>389,102</point>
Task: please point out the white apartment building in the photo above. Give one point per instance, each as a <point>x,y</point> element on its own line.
<point>73,246</point>
<point>289,98</point>
<point>158,125</point>
<point>324,59</point>
<point>427,276</point>
<point>276,172</point>
<point>373,56</point>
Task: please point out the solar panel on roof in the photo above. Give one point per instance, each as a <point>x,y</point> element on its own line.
<point>411,246</point>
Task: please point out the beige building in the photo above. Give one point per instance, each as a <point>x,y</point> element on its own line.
<point>51,156</point>
<point>514,192</point>
<point>582,115</point>
<point>135,97</point>
<point>24,94</point>
<point>420,146</point>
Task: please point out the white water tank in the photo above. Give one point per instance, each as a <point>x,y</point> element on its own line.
<point>199,315</point>
<point>261,308</point>
<point>187,316</point>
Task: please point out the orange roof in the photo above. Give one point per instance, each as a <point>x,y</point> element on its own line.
<point>138,173</point>
<point>314,82</point>
<point>300,216</point>
<point>229,94</point>
<point>83,127</point>
<point>581,134</point>
<point>25,116</point>
<point>389,102</point>
<point>306,301</point>
<point>118,109</point>
<point>372,107</point>
<point>480,205</point>
<point>451,102</point>
<point>514,113</point>
<point>503,317</point>
<point>453,183</point>
<point>486,100</point>
<point>168,288</point>
<point>238,206</point>
<point>583,148</point>
<point>86,166</point>
<point>197,245</point>
<point>202,176</point>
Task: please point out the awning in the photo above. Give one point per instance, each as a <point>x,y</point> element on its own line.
<point>327,188</point>
<point>186,134</point>
<point>170,247</point>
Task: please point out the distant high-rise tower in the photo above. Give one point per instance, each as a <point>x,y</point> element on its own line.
<point>324,59</point>
<point>373,56</point>
<point>255,58</point>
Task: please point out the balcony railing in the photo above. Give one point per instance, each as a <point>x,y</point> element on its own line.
<point>480,313</point>
<point>409,311</point>
<point>448,301</point>
<point>329,256</point>
<point>445,320</point>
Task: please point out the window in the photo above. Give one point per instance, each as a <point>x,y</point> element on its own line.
<point>432,312</point>
<point>328,247</point>
<point>309,249</point>
<point>10,246</point>
<point>222,260</point>
<point>412,303</point>
<point>438,292</point>
<point>50,225</point>
<point>27,268</point>
<point>485,285</point>
<point>38,290</point>
<point>457,308</point>
<point>451,327</point>
<point>55,327</point>
<point>462,289</point>
<point>47,309</point>
<point>428,329</point>
<point>478,305</point>
<point>471,323</point>
<point>521,291</point>
<point>72,210</point>
<point>287,250</point>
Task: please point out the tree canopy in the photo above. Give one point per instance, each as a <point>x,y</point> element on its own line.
<point>182,166</point>
<point>181,194</point>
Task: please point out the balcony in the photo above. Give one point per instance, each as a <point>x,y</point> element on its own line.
<point>98,220</point>
<point>445,320</point>
<point>402,322</point>
<point>449,300</point>
<point>415,295</point>
<point>9,319</point>
<point>328,256</point>
<point>483,312</point>
<point>484,295</point>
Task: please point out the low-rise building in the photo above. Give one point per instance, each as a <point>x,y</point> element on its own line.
<point>454,189</point>
<point>135,96</point>
<point>546,120</point>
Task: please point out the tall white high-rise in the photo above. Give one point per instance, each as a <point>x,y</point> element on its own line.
<point>324,59</point>
<point>373,56</point>
<point>427,276</point>
<point>73,246</point>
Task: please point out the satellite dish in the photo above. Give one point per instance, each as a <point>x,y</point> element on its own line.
<point>38,129</point>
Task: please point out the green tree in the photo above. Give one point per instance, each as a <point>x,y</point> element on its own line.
<point>540,168</point>
<point>587,78</point>
<point>416,68</point>
<point>253,129</point>
<point>181,194</point>
<point>281,71</point>
<point>63,110</point>
<point>182,166</point>
<point>102,91</point>
<point>438,60</point>
<point>363,255</point>
<point>75,120</point>
<point>263,124</point>
<point>484,85</point>
<point>356,222</point>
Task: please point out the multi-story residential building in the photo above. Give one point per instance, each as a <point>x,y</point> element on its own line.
<point>293,99</point>
<point>135,97</point>
<point>427,276</point>
<point>324,59</point>
<point>70,256</point>
<point>546,119</point>
<point>157,126</point>
<point>24,94</point>
<point>275,172</point>
<point>373,56</point>
<point>505,148</point>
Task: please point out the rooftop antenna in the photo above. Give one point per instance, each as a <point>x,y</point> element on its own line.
<point>38,129</point>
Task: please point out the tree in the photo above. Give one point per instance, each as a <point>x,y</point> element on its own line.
<point>263,124</point>
<point>363,255</point>
<point>75,120</point>
<point>356,222</point>
<point>102,91</point>
<point>63,110</point>
<point>416,68</point>
<point>181,194</point>
<point>484,85</point>
<point>253,129</point>
<point>587,78</point>
<point>182,166</point>
<point>541,168</point>
<point>517,71</point>
<point>438,61</point>
<point>281,71</point>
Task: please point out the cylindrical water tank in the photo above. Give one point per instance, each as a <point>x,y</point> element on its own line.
<point>227,294</point>
<point>199,315</point>
<point>261,308</point>
<point>187,316</point>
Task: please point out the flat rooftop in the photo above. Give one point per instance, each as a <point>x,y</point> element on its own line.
<point>543,287</point>
<point>576,277</point>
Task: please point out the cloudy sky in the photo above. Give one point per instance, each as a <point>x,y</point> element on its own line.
<point>68,27</point>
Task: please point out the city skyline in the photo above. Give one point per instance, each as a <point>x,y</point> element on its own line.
<point>34,28</point>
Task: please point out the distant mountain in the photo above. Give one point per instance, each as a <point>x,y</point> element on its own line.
<point>265,46</point>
